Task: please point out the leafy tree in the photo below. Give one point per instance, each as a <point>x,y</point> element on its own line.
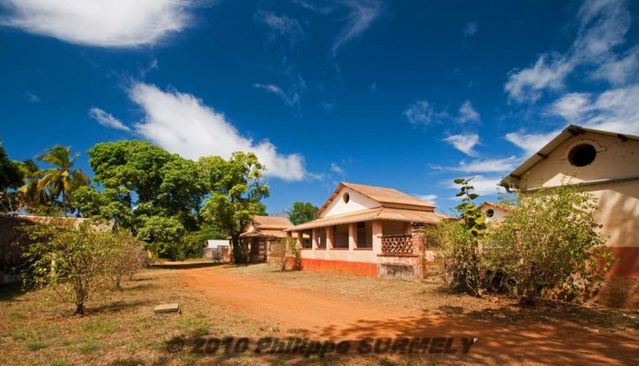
<point>62,178</point>
<point>302,212</point>
<point>235,195</point>
<point>30,196</point>
<point>11,177</point>
<point>548,246</point>
<point>10,173</point>
<point>460,241</point>
<point>69,260</point>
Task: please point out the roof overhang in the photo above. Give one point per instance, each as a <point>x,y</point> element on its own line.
<point>515,176</point>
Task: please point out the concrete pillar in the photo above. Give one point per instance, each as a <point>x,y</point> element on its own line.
<point>315,240</point>
<point>330,230</point>
<point>300,236</point>
<point>377,237</point>
<point>352,236</point>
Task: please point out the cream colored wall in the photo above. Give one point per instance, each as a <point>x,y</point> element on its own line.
<point>356,202</point>
<point>351,254</point>
<point>499,215</point>
<point>615,158</point>
<point>619,212</point>
<point>618,201</point>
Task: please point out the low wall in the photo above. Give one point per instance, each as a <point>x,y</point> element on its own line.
<point>406,268</point>
<point>340,267</point>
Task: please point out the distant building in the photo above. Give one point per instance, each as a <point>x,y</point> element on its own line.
<point>603,163</point>
<point>261,232</point>
<point>367,230</point>
<point>494,212</point>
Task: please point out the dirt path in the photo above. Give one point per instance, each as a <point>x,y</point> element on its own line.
<point>501,340</point>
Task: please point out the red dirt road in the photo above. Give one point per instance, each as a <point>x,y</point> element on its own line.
<point>500,341</point>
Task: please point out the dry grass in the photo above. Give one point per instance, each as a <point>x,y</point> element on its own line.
<point>122,330</point>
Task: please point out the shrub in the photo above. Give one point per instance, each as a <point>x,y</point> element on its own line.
<point>548,246</point>
<point>69,260</point>
<point>125,257</point>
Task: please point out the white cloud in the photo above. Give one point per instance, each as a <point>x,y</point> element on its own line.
<point>487,165</point>
<point>287,27</point>
<point>464,143</point>
<point>290,100</point>
<point>526,84</point>
<point>530,142</point>
<point>107,120</point>
<point>430,198</point>
<point>467,113</point>
<point>422,112</point>
<point>483,185</point>
<point>470,29</point>
<point>615,110</point>
<point>335,168</point>
<point>602,27</point>
<point>362,13</point>
<point>571,105</point>
<point>113,23</point>
<point>182,124</point>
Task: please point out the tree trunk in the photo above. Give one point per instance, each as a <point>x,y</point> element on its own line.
<point>79,309</point>
<point>239,254</point>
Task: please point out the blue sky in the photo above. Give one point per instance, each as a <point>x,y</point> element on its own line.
<point>402,94</point>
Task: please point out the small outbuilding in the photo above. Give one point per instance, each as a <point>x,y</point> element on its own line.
<point>494,212</point>
<point>261,232</point>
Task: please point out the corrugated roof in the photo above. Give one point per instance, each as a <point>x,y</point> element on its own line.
<point>387,197</point>
<point>378,213</point>
<point>265,233</point>
<point>544,152</point>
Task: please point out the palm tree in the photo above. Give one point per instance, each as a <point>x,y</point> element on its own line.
<point>61,179</point>
<point>30,195</point>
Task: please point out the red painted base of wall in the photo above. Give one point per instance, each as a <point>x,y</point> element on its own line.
<point>627,264</point>
<point>342,267</point>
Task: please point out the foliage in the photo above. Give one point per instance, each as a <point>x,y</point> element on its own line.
<point>285,249</point>
<point>548,246</point>
<point>459,254</point>
<point>62,178</point>
<point>125,256</point>
<point>10,173</point>
<point>69,260</point>
<point>11,177</point>
<point>296,253</point>
<point>279,252</point>
<point>235,195</point>
<point>302,212</point>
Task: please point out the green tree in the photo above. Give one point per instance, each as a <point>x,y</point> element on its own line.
<point>460,239</point>
<point>62,178</point>
<point>11,178</point>
<point>548,246</point>
<point>71,261</point>
<point>302,212</point>
<point>236,192</point>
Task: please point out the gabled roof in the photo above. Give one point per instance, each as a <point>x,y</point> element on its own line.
<point>271,222</point>
<point>495,204</point>
<point>387,197</point>
<point>563,136</point>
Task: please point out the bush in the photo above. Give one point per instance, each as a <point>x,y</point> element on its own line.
<point>548,247</point>
<point>71,261</point>
<point>125,257</point>
<point>283,250</point>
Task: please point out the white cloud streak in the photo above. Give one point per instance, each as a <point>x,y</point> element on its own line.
<point>282,25</point>
<point>107,120</point>
<point>362,13</point>
<point>113,23</point>
<point>464,143</point>
<point>467,113</point>
<point>291,100</point>
<point>335,168</point>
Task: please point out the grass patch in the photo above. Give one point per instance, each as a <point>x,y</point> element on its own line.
<point>101,326</point>
<point>35,345</point>
<point>90,345</point>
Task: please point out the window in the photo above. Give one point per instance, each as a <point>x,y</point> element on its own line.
<point>340,237</point>
<point>346,197</point>
<point>490,212</point>
<point>582,155</point>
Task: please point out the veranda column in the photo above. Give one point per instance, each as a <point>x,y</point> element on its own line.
<point>330,230</point>
<point>316,240</point>
<point>352,236</point>
<point>377,237</point>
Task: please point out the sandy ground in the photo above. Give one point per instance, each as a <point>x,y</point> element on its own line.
<point>500,340</point>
